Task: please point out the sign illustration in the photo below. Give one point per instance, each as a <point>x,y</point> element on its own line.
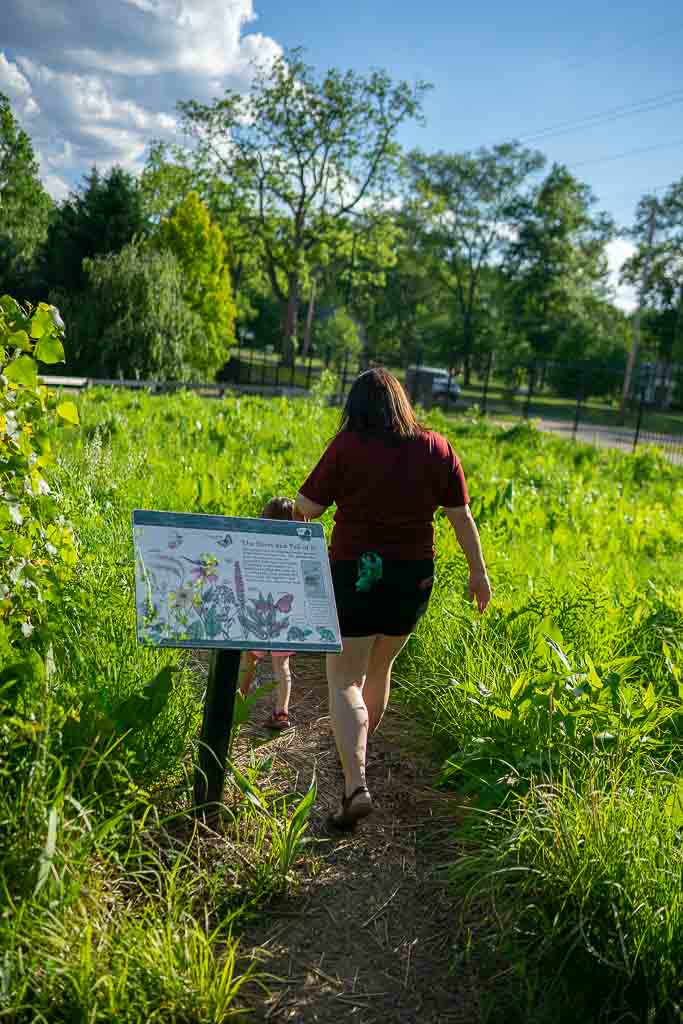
<point>218,581</point>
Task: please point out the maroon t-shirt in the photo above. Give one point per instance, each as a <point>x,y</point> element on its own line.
<point>386,493</point>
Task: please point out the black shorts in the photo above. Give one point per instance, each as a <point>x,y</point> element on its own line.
<point>392,606</point>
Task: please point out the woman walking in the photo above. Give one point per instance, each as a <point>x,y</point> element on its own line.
<point>387,476</point>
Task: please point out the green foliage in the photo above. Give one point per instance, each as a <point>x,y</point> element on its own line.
<point>102,216</point>
<point>200,250</point>
<point>37,546</point>
<point>303,151</point>
<point>339,337</point>
<point>24,204</point>
<point>132,321</point>
<point>559,715</point>
<point>557,259</point>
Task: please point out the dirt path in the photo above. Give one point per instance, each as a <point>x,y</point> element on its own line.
<point>373,935</point>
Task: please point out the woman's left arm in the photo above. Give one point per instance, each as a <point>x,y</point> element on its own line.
<point>305,509</point>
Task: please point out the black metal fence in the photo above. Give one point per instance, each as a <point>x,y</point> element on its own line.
<point>567,399</point>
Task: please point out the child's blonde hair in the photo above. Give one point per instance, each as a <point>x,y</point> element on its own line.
<point>278,508</point>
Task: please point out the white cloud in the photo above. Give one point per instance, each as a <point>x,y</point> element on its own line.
<point>100,79</point>
<point>17,87</point>
<point>624,295</point>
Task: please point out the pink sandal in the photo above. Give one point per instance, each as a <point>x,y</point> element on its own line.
<point>278,720</point>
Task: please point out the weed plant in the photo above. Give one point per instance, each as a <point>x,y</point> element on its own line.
<point>557,714</point>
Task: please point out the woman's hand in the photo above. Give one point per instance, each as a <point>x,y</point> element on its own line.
<point>305,509</point>
<point>480,588</point>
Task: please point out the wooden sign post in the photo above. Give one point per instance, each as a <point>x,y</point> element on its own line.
<point>230,585</point>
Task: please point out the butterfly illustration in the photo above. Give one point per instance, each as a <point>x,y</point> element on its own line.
<point>304,532</point>
<point>326,634</point>
<point>176,540</point>
<point>225,541</point>
<point>284,604</point>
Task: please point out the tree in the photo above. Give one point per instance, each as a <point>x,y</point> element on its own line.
<point>25,206</point>
<point>338,336</point>
<point>102,216</point>
<point>300,153</point>
<point>170,174</point>
<point>132,320</point>
<point>556,258</point>
<point>200,250</point>
<point>463,203</point>
<point>657,270</point>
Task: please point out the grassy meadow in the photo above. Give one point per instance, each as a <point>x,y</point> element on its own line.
<point>557,717</point>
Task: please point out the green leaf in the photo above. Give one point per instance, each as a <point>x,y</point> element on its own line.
<point>49,349</point>
<point>41,322</point>
<point>48,852</point>
<point>247,788</point>
<point>517,686</point>
<point>503,713</point>
<point>68,412</point>
<point>674,804</point>
<point>142,708</point>
<point>558,652</point>
<point>649,697</point>
<point>22,371</point>
<point>19,339</point>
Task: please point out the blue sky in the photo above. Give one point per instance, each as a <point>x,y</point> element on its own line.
<point>94,80</point>
<point>503,70</point>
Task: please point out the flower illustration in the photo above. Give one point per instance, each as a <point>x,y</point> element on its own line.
<point>204,570</point>
<point>239,585</point>
<point>284,604</point>
<point>184,598</point>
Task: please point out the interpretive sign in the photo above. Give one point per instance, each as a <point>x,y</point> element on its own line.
<point>232,583</point>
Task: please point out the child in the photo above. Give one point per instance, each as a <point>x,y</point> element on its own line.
<point>277,508</point>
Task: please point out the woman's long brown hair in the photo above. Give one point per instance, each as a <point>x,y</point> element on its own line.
<point>377,406</point>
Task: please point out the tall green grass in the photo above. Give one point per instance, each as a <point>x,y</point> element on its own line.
<point>557,715</point>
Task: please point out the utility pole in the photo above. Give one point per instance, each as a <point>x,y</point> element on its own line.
<point>652,227</point>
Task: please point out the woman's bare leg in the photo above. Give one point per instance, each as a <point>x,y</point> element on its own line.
<point>377,686</point>
<point>348,713</point>
<point>283,677</point>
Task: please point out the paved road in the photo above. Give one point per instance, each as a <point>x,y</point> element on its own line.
<point>617,437</point>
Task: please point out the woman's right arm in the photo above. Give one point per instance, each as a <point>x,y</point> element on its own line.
<point>467,535</point>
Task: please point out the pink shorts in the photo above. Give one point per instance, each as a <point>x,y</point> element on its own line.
<point>276,654</point>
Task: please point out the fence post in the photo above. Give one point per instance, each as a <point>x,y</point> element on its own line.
<point>530,390</point>
<point>292,376</point>
<point>641,405</point>
<point>416,377</point>
<point>214,739</point>
<point>277,370</point>
<point>484,397</point>
<point>251,363</point>
<point>309,370</point>
<point>263,369</point>
<point>448,387</point>
<point>577,411</point>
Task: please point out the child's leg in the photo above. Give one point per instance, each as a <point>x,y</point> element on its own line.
<point>283,677</point>
<point>247,672</point>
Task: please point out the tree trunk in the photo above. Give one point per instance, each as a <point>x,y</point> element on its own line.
<point>467,353</point>
<point>309,321</point>
<point>291,318</point>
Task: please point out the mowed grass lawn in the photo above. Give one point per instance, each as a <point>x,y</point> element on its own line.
<point>557,716</point>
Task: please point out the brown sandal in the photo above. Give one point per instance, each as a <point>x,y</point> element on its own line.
<point>279,721</point>
<point>354,807</point>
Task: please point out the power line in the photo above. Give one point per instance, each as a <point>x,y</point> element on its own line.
<point>605,116</point>
<point>622,49</point>
<point>629,152</point>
